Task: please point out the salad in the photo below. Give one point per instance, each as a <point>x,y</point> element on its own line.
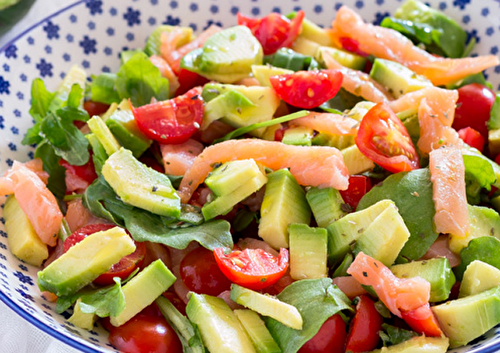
<point>271,187</point>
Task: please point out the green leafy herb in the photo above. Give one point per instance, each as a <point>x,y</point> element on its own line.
<point>57,173</point>
<point>343,100</point>
<point>494,121</point>
<point>479,174</point>
<point>103,88</point>
<point>486,249</point>
<point>40,99</point>
<point>392,335</point>
<point>291,60</point>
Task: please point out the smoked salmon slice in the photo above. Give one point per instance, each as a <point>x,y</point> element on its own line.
<point>333,124</point>
<point>314,165</point>
<point>447,169</point>
<point>166,71</point>
<point>178,158</point>
<point>389,44</point>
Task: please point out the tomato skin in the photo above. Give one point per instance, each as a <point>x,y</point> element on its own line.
<point>423,321</point>
<point>363,331</point>
<point>188,80</point>
<point>252,268</point>
<point>176,301</point>
<point>359,185</point>
<point>330,337</point>
<point>122,268</point>
<point>201,274</point>
<point>85,172</point>
<point>95,108</point>
<point>383,138</point>
<point>307,89</point>
<point>171,121</point>
<point>273,31</point>
<point>472,137</point>
<point>352,45</point>
<point>473,108</point>
<point>144,333</point>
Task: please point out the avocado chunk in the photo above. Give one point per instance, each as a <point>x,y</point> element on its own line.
<point>397,78</point>
<point>257,331</point>
<point>478,277</point>
<point>140,186</point>
<point>153,44</point>
<point>23,241</point>
<point>344,58</point>
<point>263,72</point>
<point>123,126</point>
<point>143,289</point>
<point>465,319</point>
<point>384,238</point>
<point>308,251</point>
<point>360,110</point>
<point>226,56</point>
<point>284,203</point>
<point>338,141</point>
<point>104,135</point>
<point>436,271</point>
<point>305,46</point>
<point>346,231</point>
<point>326,205</point>
<point>231,175</point>
<point>268,306</point>
<point>312,31</point>
<point>494,141</point>
<point>81,319</point>
<point>239,106</point>
<point>355,161</point>
<point>298,136</point>
<point>419,344</point>
<point>85,261</point>
<point>218,325</point>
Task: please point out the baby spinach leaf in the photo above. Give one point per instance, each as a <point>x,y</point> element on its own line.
<point>392,335</point>
<point>486,249</point>
<point>479,174</point>
<point>40,99</point>
<point>104,302</point>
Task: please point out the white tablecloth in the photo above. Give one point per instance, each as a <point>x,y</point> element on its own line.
<point>17,335</point>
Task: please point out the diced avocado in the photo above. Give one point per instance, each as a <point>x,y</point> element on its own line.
<point>479,277</point>
<point>112,108</point>
<point>360,110</point>
<point>412,126</point>
<point>225,203</point>
<point>153,43</point>
<point>104,135</point>
<point>312,31</point>
<point>494,141</point>
<point>75,75</point>
<point>23,241</point>
<point>123,126</point>
<point>419,344</point>
<point>239,106</point>
<point>308,251</point>
<point>257,331</point>
<point>344,232</point>
<point>219,327</point>
<point>291,60</point>
<point>344,58</point>
<point>270,132</point>
<point>326,205</point>
<point>494,121</point>
<point>85,261</point>
<point>231,175</point>
<point>305,46</point>
<point>436,271</point>
<point>226,56</point>
<point>263,72</point>
<point>355,161</point>
<point>338,141</point>
<point>465,319</point>
<point>267,305</point>
<point>482,221</point>
<point>397,78</point>
<point>140,186</point>
<point>143,289</point>
<point>384,238</point>
<point>284,203</point>
<point>298,136</point>
<point>81,319</point>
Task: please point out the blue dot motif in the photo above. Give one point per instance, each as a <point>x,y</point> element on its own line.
<point>129,36</point>
<point>95,6</point>
<point>494,50</point>
<point>113,11</point>
<point>193,7</point>
<point>91,25</point>
<point>359,4</point>
<point>108,51</point>
<point>73,18</point>
<point>255,11</point>
<point>12,147</point>
<point>70,38</point>
<point>17,113</point>
<point>66,57</point>
<point>48,49</point>
<point>152,21</point>
<point>11,52</point>
<point>132,17</point>
<point>318,9</point>
<point>45,68</point>
<point>174,4</point>
<point>172,21</point>
<point>214,9</point>
<point>110,31</point>
<point>490,31</point>
<point>23,77</point>
<point>276,9</point>
<point>485,12</point>
<point>4,86</point>
<point>88,45</point>
<point>30,40</point>
<point>234,10</point>
<point>85,64</point>
<point>14,130</point>
<point>6,67</point>
<point>20,95</point>
<point>461,3</point>
<point>466,19</point>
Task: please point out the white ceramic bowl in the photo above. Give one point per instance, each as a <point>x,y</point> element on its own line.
<point>91,33</point>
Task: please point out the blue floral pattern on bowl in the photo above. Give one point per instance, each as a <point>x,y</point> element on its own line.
<point>92,33</point>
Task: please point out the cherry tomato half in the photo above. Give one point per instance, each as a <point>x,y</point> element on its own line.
<point>200,273</point>
<point>422,321</point>
<point>95,108</point>
<point>145,333</point>
<point>273,31</point>
<point>307,89</point>
<point>171,121</point>
<point>252,268</point>
<point>122,268</point>
<point>359,185</point>
<point>85,172</point>
<point>472,137</point>
<point>383,138</point>
<point>473,108</point>
<point>363,331</point>
<point>330,337</point>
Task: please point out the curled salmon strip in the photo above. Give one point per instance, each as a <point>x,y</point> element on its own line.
<point>167,72</point>
<point>389,44</point>
<point>314,166</point>
<point>447,169</point>
<point>334,124</point>
<point>358,83</point>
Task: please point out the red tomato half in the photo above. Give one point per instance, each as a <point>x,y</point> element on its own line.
<point>423,321</point>
<point>188,80</point>
<point>307,89</point>
<point>359,185</point>
<point>122,268</point>
<point>330,337</point>
<point>145,333</point>
<point>472,137</point>
<point>171,121</point>
<point>252,268</point>
<point>383,138</point>
<point>473,108</point>
<point>363,331</point>
<point>273,31</point>
<point>85,172</point>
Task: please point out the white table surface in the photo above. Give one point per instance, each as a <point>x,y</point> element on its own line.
<point>17,335</point>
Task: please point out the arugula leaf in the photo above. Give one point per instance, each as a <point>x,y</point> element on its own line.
<point>479,174</point>
<point>103,88</point>
<point>40,99</point>
<point>343,100</point>
<point>57,173</point>
<point>316,300</point>
<point>99,155</point>
<point>392,335</point>
<point>139,80</point>
<point>291,60</point>
<point>104,302</point>
<point>98,191</point>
